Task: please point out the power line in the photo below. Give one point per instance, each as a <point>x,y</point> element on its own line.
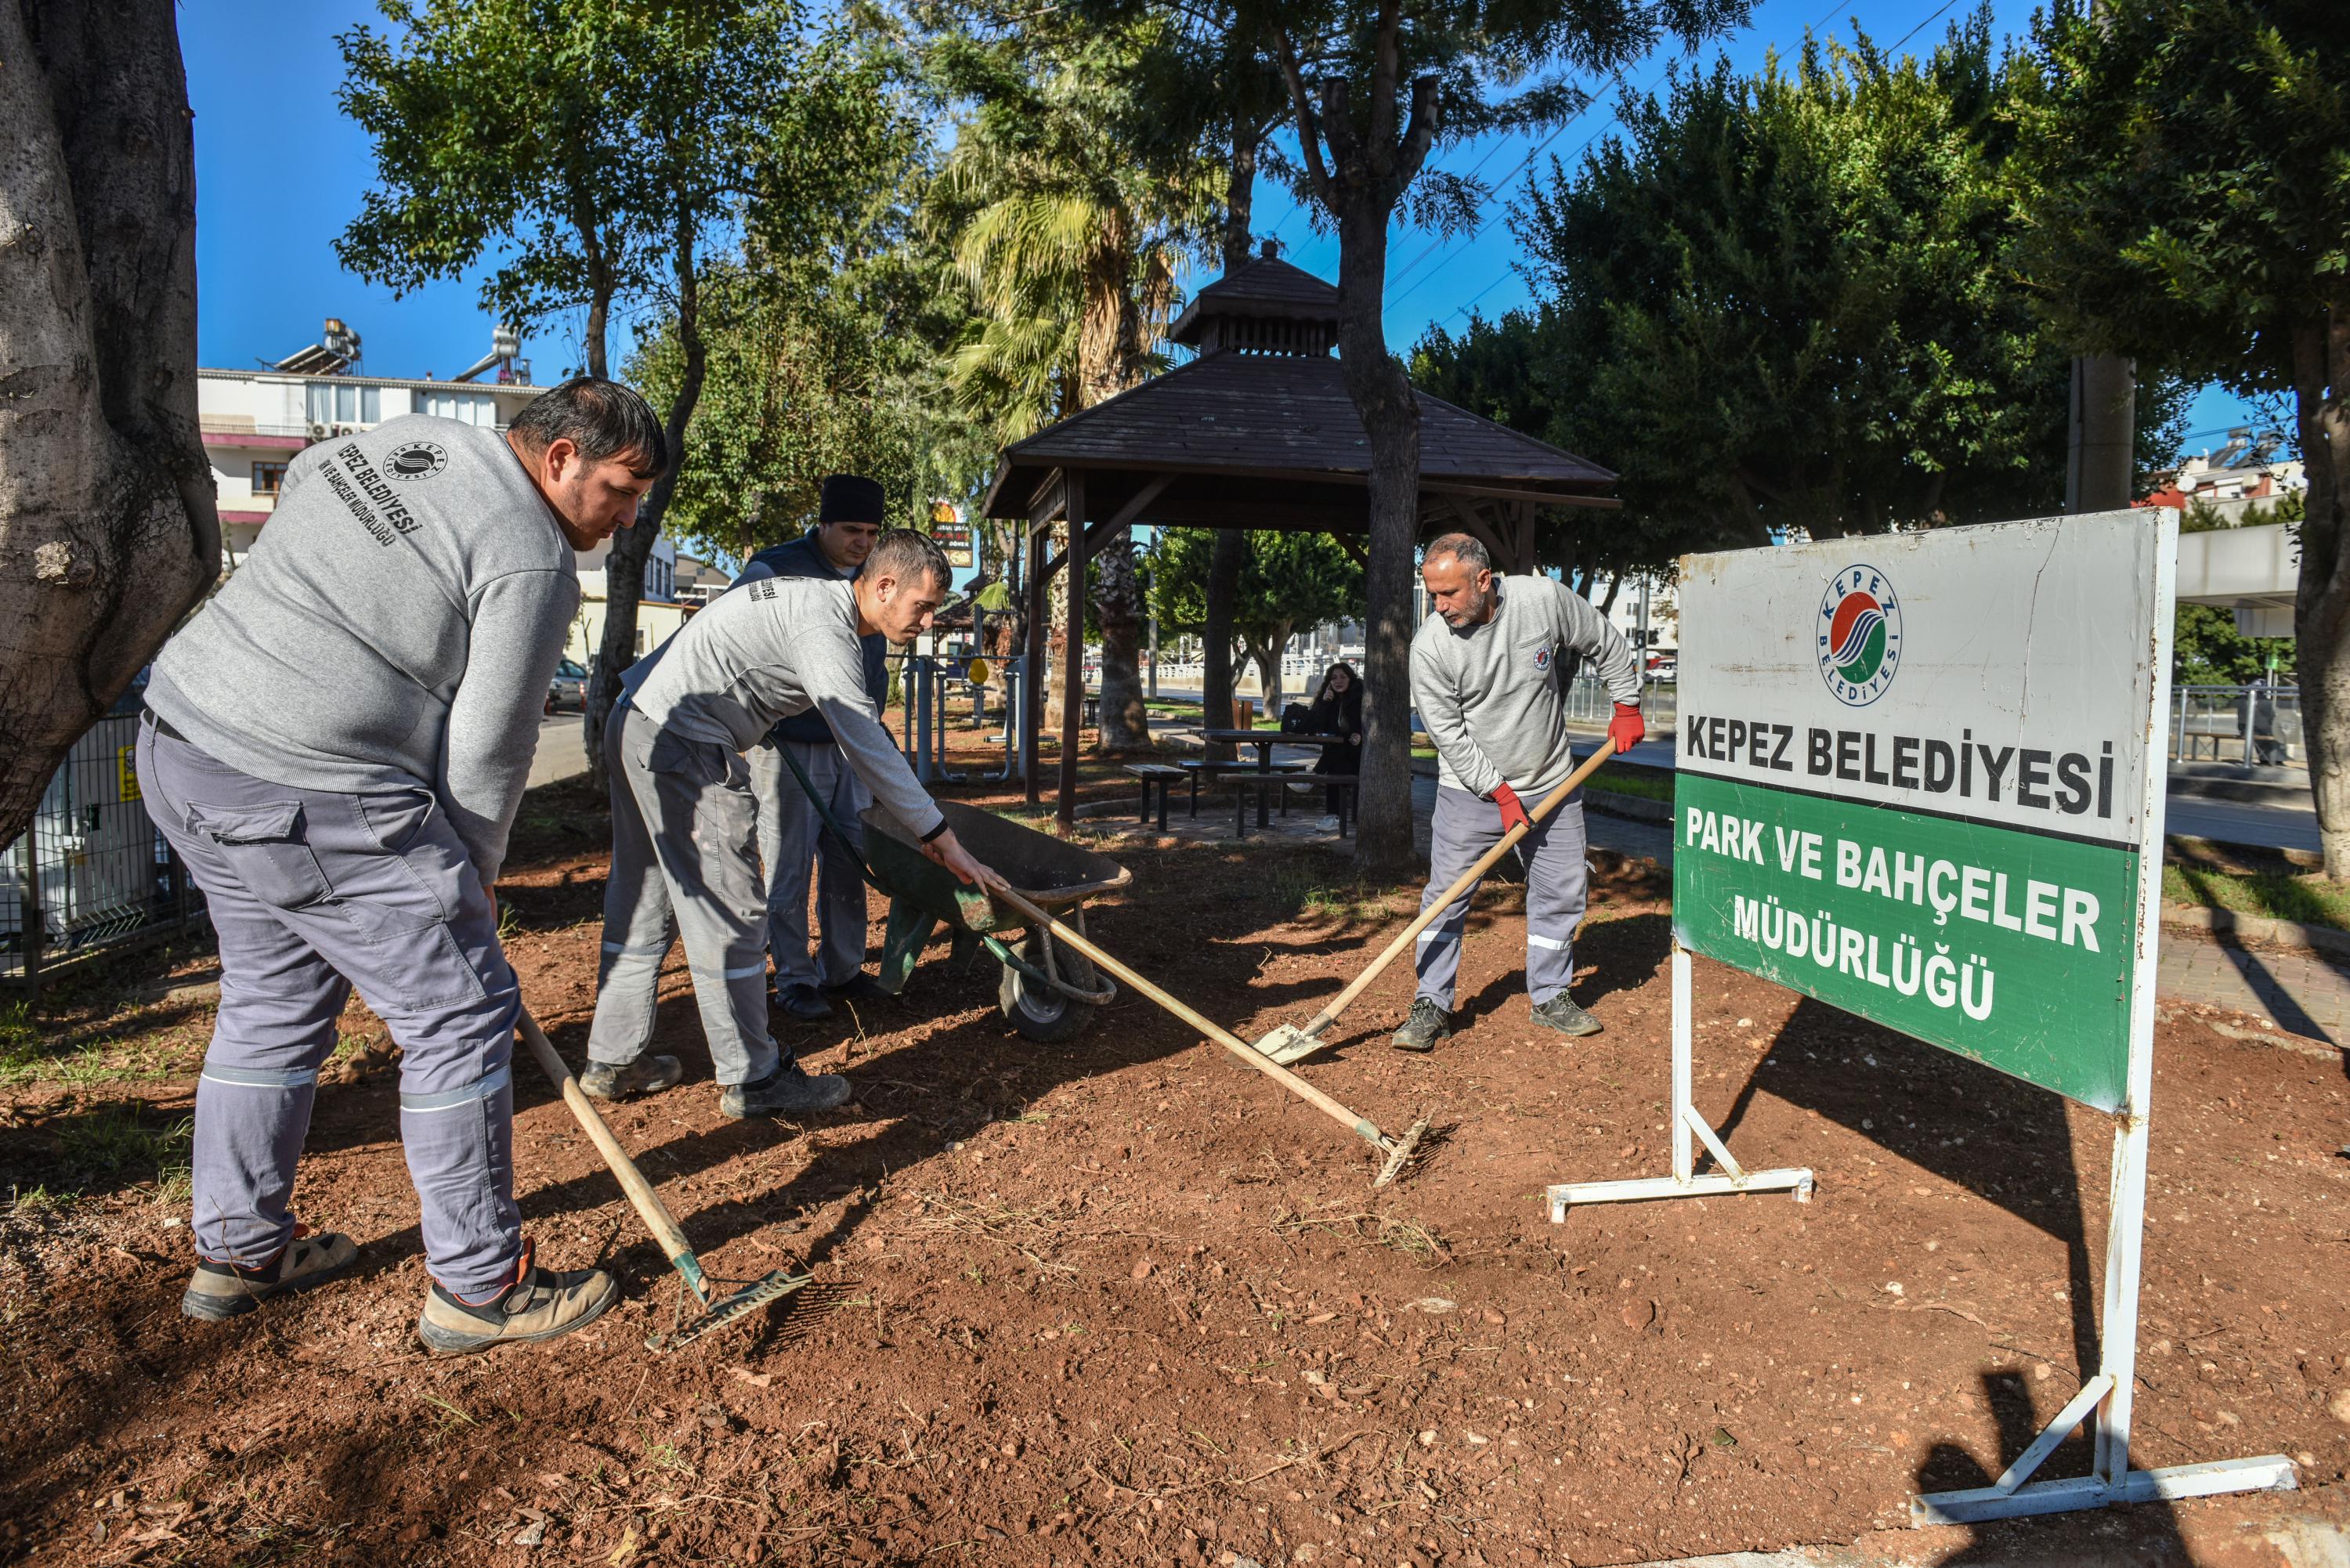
<point>1394,299</point>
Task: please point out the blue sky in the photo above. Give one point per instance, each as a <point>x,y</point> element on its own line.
<point>279,172</point>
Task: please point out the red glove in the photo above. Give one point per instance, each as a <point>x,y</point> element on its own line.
<point>1626,727</point>
<point>1514,815</point>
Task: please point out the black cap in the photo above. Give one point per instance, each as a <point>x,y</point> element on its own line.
<point>851,498</point>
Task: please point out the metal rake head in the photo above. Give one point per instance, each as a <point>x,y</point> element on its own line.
<point>1399,1153</point>
<point>727,1310</point>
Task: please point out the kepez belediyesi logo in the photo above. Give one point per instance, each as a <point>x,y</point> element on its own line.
<point>1859,635</point>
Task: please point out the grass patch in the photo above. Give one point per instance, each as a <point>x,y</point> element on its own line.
<point>118,1145</point>
<point>2307,899</point>
<point>1608,781</point>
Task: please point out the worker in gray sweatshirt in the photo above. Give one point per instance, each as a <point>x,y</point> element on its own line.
<point>335,746</point>
<point>685,852</point>
<point>1485,676</point>
<point>849,521</point>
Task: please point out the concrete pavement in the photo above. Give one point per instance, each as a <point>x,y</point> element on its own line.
<point>562,751</point>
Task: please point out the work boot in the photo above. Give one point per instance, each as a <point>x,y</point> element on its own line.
<point>1561,1014</point>
<point>859,987</point>
<point>619,1080</point>
<point>222,1290</point>
<point>788,1091</point>
<point>542,1303</point>
<point>1427,1025</point>
<point>802,1001</point>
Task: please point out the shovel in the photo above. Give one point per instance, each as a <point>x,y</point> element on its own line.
<point>1290,1043</point>
<point>716,1313</point>
<point>1398,1150</point>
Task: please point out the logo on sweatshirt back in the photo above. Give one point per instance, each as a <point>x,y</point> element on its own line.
<point>417,460</point>
<point>1859,635</point>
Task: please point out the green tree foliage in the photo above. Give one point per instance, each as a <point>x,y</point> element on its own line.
<point>1068,209</point>
<point>2208,650</point>
<point>827,336</point>
<point>1785,301</point>
<point>2191,207</point>
<point>599,143</point>
<point>1290,581</point>
<point>1375,88</point>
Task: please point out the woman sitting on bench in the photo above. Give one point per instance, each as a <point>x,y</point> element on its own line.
<point>1337,709</point>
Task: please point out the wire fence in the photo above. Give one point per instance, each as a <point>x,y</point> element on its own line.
<point>92,875</point>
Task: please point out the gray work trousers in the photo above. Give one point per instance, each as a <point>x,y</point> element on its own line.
<point>1465,828</point>
<point>791,838</point>
<point>311,893</point>
<point>684,864</point>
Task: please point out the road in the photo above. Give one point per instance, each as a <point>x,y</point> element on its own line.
<point>561,753</point>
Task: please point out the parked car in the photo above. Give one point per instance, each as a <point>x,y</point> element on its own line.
<point>568,687</point>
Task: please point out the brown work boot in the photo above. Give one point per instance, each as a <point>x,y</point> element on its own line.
<point>222,1290</point>
<point>542,1303</point>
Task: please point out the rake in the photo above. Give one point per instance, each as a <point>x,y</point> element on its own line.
<point>1290,1043</point>
<point>716,1312</point>
<point>1397,1150</point>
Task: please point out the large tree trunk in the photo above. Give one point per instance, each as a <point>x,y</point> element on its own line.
<point>1382,396</point>
<point>1118,602</point>
<point>2320,616</point>
<point>108,530</point>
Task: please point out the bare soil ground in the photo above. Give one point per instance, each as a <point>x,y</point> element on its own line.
<point>1120,1301</point>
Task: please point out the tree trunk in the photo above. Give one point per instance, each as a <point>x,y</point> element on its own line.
<point>107,528</point>
<point>1118,604</point>
<point>2321,617</point>
<point>1226,556</point>
<point>1382,397</point>
<point>632,547</point>
<point>1056,630</point>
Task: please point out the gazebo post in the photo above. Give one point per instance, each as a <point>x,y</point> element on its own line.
<point>1032,707</point>
<point>1073,663</point>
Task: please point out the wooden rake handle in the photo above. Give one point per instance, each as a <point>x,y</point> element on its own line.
<point>1359,1126</point>
<point>1467,880</point>
<point>648,1203</point>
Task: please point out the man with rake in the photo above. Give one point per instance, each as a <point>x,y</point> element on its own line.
<point>1485,678</point>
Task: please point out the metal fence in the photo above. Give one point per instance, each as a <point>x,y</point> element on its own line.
<point>1588,703</point>
<point>2255,725</point>
<point>91,875</point>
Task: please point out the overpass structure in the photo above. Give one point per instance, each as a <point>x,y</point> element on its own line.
<point>2251,571</point>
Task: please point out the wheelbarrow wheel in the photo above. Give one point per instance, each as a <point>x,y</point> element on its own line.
<point>1039,1011</point>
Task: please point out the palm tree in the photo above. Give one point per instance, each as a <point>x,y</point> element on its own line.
<point>1066,214</point>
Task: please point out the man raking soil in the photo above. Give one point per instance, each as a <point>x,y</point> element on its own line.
<point>1485,678</point>
<point>336,746</point>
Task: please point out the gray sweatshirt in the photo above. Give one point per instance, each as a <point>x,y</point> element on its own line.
<point>394,627</point>
<point>1491,696</point>
<point>764,650</point>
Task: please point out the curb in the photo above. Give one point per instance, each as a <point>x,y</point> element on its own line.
<point>2255,928</point>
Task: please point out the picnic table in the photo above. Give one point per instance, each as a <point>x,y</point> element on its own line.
<point>1264,741</point>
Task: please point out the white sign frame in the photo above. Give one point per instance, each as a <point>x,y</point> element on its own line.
<point>2105,1398</point>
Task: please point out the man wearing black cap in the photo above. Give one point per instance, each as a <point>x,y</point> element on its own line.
<point>848,520</point>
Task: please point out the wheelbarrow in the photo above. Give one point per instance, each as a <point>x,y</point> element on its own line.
<point>1048,991</point>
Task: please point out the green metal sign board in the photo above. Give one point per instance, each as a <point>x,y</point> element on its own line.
<point>1912,781</point>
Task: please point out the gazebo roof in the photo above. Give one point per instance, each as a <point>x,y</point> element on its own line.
<point>1265,288</point>
<point>1261,441</point>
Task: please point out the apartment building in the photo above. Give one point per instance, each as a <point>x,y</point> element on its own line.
<point>254,422</point>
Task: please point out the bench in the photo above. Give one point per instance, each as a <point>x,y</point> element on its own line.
<point>1165,777</point>
<point>1253,782</point>
<point>1210,768</point>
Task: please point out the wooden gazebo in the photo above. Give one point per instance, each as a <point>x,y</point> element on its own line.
<point>1258,432</point>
